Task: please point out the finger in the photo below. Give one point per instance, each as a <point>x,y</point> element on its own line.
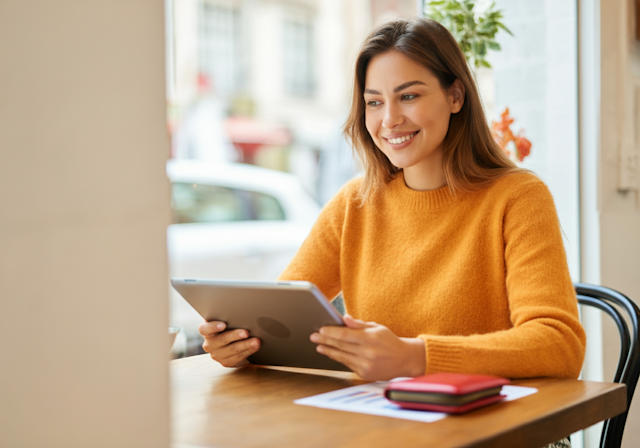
<point>240,351</point>
<point>231,354</point>
<point>353,335</point>
<point>218,340</point>
<point>356,323</point>
<point>340,344</point>
<point>208,329</point>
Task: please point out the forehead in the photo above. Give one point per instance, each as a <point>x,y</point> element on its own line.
<point>391,69</point>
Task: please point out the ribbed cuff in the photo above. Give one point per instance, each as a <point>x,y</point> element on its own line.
<point>442,354</point>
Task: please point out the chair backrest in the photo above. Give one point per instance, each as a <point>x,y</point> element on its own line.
<point>628,368</point>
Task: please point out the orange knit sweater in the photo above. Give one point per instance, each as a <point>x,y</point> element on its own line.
<point>481,277</point>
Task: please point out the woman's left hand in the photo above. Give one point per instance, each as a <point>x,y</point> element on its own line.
<point>371,350</point>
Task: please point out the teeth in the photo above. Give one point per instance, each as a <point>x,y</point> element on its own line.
<point>399,140</point>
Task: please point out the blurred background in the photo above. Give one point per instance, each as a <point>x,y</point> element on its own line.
<point>257,93</point>
<point>267,83</point>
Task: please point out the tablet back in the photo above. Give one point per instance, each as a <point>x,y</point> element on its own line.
<point>281,314</point>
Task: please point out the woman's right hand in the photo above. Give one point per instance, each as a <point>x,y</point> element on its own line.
<point>230,348</point>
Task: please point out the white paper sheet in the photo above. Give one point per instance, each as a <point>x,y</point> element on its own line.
<point>515,392</point>
<point>369,399</point>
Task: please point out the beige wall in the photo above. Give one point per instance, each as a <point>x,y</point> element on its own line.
<point>83,276</point>
<point>618,198</point>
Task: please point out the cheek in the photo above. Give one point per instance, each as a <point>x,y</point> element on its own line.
<point>437,122</point>
<point>372,127</point>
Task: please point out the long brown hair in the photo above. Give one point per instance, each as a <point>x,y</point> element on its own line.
<point>471,158</point>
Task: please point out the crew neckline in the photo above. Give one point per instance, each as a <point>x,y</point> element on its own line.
<point>425,200</point>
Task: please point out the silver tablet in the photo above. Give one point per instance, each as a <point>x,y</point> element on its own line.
<point>281,314</point>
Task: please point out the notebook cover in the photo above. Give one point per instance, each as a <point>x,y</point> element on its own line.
<point>448,383</point>
<point>449,409</point>
<point>437,398</point>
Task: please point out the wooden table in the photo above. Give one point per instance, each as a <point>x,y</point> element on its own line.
<point>253,407</point>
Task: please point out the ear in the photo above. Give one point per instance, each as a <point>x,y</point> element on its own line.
<point>457,93</point>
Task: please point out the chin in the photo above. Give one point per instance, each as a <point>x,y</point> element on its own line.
<point>400,164</point>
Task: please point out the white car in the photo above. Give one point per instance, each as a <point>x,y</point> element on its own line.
<point>232,221</point>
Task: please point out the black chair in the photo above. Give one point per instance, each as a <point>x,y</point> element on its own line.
<point>629,362</point>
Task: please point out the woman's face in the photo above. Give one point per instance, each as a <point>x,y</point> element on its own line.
<point>407,114</point>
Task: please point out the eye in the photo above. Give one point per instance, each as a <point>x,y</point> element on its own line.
<point>373,103</point>
<point>408,96</point>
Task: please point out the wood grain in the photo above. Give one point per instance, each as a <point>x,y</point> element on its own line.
<point>253,407</point>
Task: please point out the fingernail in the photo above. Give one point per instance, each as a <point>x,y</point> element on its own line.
<point>254,343</point>
<point>315,337</point>
<point>321,331</point>
<point>243,334</point>
<point>320,349</point>
<point>220,326</point>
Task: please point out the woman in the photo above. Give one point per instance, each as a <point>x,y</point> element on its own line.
<point>449,256</point>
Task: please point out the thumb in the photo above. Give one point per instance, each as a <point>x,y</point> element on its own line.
<point>350,322</point>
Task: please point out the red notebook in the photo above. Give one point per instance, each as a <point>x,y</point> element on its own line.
<point>454,393</point>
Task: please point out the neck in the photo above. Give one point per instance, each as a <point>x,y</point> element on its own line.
<point>426,176</point>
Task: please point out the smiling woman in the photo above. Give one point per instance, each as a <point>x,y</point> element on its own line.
<point>408,120</point>
<point>423,69</point>
<point>449,258</point>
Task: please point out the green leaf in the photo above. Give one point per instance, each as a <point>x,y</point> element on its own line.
<point>470,23</point>
<point>488,25</point>
<point>482,49</point>
<point>475,33</point>
<point>500,25</point>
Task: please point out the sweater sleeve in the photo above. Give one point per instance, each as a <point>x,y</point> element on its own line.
<point>318,259</point>
<point>547,338</point>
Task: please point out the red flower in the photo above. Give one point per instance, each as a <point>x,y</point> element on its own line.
<point>523,146</point>
<point>502,134</point>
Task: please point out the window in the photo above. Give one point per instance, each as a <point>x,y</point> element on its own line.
<point>298,56</point>
<point>265,207</point>
<point>220,46</point>
<point>536,77</point>
<point>201,203</point>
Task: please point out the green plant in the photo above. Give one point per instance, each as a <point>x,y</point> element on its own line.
<point>475,32</point>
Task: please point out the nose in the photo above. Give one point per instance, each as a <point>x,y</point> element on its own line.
<point>392,116</point>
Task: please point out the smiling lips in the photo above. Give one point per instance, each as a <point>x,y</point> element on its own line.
<point>400,140</point>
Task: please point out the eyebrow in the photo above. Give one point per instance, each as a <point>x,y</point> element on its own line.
<point>397,89</point>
